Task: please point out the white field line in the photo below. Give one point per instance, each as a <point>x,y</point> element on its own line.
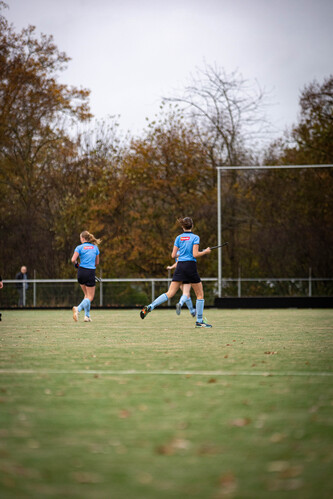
<point>130,372</point>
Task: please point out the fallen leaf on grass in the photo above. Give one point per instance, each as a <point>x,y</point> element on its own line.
<point>165,450</point>
<point>33,444</point>
<point>123,414</point>
<point>228,483</point>
<point>212,380</point>
<point>270,353</point>
<point>208,449</point>
<point>285,469</point>
<point>277,466</point>
<point>292,471</point>
<point>142,407</point>
<point>239,422</point>
<point>145,478</point>
<point>175,445</point>
<point>277,437</point>
<point>86,477</point>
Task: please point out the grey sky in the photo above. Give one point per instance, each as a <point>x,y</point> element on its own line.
<point>130,53</point>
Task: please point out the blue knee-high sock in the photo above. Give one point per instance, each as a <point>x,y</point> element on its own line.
<point>87,307</point>
<point>84,305</point>
<point>182,300</point>
<point>200,307</point>
<point>190,305</point>
<point>159,300</point>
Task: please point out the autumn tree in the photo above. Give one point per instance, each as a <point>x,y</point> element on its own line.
<point>164,175</point>
<point>35,148</point>
<point>226,112</point>
<point>294,208</point>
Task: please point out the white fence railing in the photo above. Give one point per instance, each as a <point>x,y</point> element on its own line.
<point>303,285</point>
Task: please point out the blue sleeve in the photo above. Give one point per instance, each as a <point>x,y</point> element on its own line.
<point>77,249</point>
<point>177,243</point>
<point>196,240</point>
<point>97,251</point>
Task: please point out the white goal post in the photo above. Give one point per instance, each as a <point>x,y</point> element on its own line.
<point>219,203</point>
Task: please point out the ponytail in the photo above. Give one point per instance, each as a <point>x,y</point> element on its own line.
<point>186,223</point>
<point>90,238</point>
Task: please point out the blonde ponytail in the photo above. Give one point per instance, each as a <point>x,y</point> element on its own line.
<point>90,238</point>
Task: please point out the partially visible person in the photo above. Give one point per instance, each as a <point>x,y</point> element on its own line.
<point>187,244</point>
<point>1,286</point>
<point>88,253</point>
<point>22,275</point>
<point>186,293</point>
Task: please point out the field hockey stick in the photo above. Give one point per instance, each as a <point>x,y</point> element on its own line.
<point>219,246</point>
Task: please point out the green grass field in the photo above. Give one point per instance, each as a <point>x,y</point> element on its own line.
<point>124,408</point>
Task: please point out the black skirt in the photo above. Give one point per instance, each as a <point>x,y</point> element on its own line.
<point>86,277</point>
<point>186,272</point>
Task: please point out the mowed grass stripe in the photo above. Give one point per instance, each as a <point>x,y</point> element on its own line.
<point>131,372</point>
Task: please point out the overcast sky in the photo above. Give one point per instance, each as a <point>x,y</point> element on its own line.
<point>130,53</point>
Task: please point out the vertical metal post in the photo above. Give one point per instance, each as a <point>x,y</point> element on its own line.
<point>34,289</point>
<point>24,291</point>
<point>310,281</point>
<point>101,289</point>
<point>152,290</point>
<point>219,232</point>
<point>169,282</point>
<point>239,283</point>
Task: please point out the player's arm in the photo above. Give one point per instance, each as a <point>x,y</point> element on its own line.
<point>97,260</point>
<point>197,253</point>
<point>174,252</point>
<point>171,267</point>
<point>75,257</point>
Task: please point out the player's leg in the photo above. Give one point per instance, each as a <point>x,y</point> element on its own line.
<point>174,286</point>
<point>80,307</point>
<point>85,303</point>
<point>186,289</point>
<point>189,304</point>
<point>198,289</point>
<point>90,295</point>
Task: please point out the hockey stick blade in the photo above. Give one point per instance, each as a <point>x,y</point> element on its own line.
<point>219,246</point>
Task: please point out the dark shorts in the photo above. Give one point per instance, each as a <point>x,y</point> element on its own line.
<point>86,277</point>
<point>186,272</point>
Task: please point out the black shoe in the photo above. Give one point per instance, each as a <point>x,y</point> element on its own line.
<point>178,308</point>
<point>146,309</point>
<point>202,324</point>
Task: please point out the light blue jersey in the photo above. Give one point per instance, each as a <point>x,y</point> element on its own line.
<point>87,253</point>
<point>185,243</point>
